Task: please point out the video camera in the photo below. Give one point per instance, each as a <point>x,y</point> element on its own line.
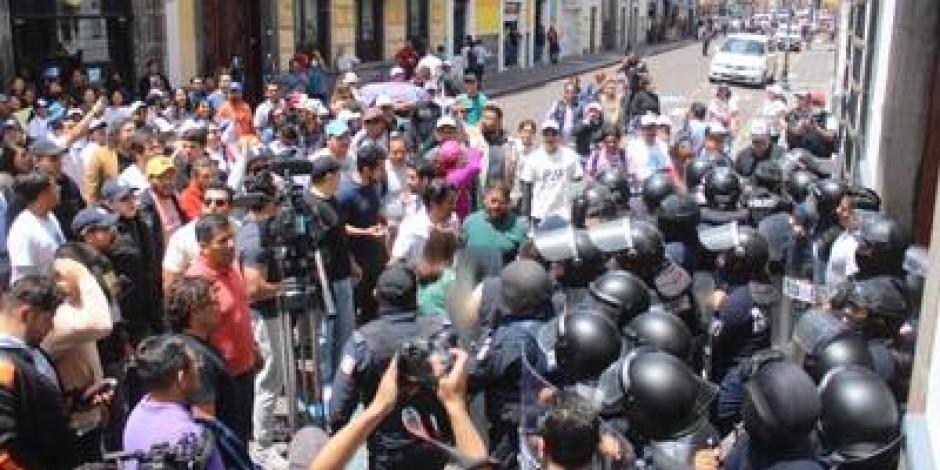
<point>415,356</point>
<point>190,452</point>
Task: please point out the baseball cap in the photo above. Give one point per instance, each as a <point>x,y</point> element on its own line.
<point>716,127</point>
<point>350,77</point>
<point>322,165</point>
<point>158,166</point>
<point>397,285</point>
<point>663,121</point>
<point>445,121</point>
<point>447,63</point>
<point>469,77</point>
<point>348,115</point>
<point>235,87</point>
<point>396,71</point>
<point>372,113</point>
<point>594,105</point>
<point>46,148</point>
<point>384,100</point>
<point>337,127</point>
<point>305,446</point>
<point>430,85</point>
<point>550,124</point>
<point>112,190</point>
<point>155,93</point>
<point>759,128</point>
<point>93,217</point>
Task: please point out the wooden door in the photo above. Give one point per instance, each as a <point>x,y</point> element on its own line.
<point>369,30</point>
<point>233,30</point>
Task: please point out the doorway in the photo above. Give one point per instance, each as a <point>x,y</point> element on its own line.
<point>460,24</point>
<point>417,25</point>
<point>233,41</point>
<point>592,44</point>
<point>369,30</point>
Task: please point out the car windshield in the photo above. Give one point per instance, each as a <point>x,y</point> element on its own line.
<point>740,46</point>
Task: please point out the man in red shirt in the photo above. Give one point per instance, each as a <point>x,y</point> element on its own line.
<point>204,172</point>
<point>234,338</point>
<point>237,111</point>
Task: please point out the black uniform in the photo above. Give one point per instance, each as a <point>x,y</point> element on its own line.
<point>365,358</point>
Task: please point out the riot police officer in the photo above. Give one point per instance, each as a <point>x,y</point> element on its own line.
<point>723,192</point>
<point>799,184</point>
<point>620,295</point>
<point>365,358</point>
<point>763,198</point>
<point>585,344</point>
<point>662,330</point>
<point>618,181</point>
<point>880,252</point>
<point>596,202</point>
<point>780,409</point>
<point>741,325</point>
<point>695,171</point>
<point>656,188</point>
<point>860,424</point>
<point>678,217</point>
<point>504,350</point>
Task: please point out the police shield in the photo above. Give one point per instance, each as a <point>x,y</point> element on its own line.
<point>557,244</point>
<point>612,236</point>
<point>535,395</point>
<point>719,238</point>
<point>816,327</point>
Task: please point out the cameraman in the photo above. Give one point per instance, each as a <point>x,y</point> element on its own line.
<point>34,428</point>
<point>263,282</point>
<point>365,358</point>
<point>340,269</point>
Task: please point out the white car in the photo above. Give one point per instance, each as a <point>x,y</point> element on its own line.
<point>744,58</point>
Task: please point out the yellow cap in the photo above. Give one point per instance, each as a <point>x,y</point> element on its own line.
<point>157,166</point>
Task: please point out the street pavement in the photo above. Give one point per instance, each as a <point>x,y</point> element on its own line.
<point>680,77</point>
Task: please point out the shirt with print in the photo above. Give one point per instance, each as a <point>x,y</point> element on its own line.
<point>552,176</point>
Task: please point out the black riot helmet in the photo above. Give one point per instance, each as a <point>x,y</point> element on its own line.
<point>656,188</point>
<point>648,251</point>
<point>865,198</point>
<point>695,171</point>
<point>769,175</point>
<point>622,295</point>
<point>799,185</point>
<point>828,193</point>
<point>746,260</point>
<point>663,331</point>
<point>781,403</point>
<point>588,263</point>
<point>860,424</point>
<point>843,350</point>
<point>663,396</point>
<point>722,189</point>
<point>678,216</point>
<point>587,343</point>
<point>882,243</point>
<point>595,201</point>
<point>618,181</point>
<point>526,287</point>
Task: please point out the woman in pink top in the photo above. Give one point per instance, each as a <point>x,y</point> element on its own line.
<point>460,166</point>
<point>609,156</point>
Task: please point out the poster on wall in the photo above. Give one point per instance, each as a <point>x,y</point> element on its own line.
<point>487,13</point>
<point>511,12</point>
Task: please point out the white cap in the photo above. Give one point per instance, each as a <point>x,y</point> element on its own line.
<point>759,127</point>
<point>649,120</point>
<point>716,127</point>
<point>396,70</point>
<point>664,120</point>
<point>593,105</point>
<point>445,121</point>
<point>347,115</point>
<point>430,85</point>
<point>311,104</point>
<point>350,77</point>
<point>550,124</point>
<point>384,100</point>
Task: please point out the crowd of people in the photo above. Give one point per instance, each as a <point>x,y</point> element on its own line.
<point>606,278</point>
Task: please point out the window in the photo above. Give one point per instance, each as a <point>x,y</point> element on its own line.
<point>739,46</point>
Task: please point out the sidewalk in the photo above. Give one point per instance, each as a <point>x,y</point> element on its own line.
<point>516,80</point>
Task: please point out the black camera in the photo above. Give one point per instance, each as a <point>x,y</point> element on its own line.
<point>415,356</point>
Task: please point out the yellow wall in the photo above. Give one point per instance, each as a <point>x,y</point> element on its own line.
<point>395,26</point>
<point>342,25</point>
<point>285,32</point>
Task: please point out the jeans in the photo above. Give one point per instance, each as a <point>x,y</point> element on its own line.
<point>270,379</point>
<point>343,324</point>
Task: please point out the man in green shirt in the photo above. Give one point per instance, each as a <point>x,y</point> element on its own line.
<point>476,98</point>
<point>495,229</point>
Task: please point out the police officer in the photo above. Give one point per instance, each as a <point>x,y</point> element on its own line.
<point>619,183</point>
<point>741,325</point>
<point>723,190</point>
<point>695,171</point>
<point>860,424</point>
<point>585,344</point>
<point>662,330</point>
<point>882,243</point>
<point>781,406</point>
<point>365,358</point>
<point>656,188</point>
<point>799,184</point>
<point>620,295</point>
<point>764,198</point>
<point>677,218</point>
<point>526,290</point>
<point>596,202</point>
<point>575,273</point>
<point>761,149</point>
<point>847,349</point>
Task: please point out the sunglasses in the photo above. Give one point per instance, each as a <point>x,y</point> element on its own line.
<point>215,202</point>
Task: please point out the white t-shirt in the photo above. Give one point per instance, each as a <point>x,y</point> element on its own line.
<point>396,182</point>
<point>182,249</point>
<point>433,63</point>
<point>32,242</point>
<point>841,259</point>
<point>413,234</point>
<point>551,176</point>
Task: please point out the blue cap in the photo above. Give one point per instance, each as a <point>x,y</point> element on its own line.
<point>9,124</point>
<point>235,87</point>
<point>337,128</point>
<point>112,190</point>
<point>93,217</point>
